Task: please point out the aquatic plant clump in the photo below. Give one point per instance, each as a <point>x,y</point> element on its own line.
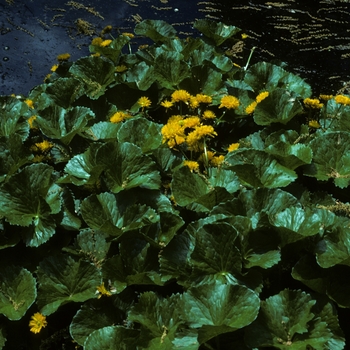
<point>167,198</point>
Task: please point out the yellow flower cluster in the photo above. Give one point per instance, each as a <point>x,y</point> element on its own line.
<point>229,102</point>
<point>144,102</point>
<point>37,322</point>
<point>326,97</point>
<point>44,146</point>
<point>343,100</point>
<point>194,166</point>
<point>119,117</point>
<point>103,291</point>
<point>313,103</point>
<point>314,124</point>
<point>29,103</point>
<point>31,121</point>
<point>233,147</point>
<point>251,108</point>
<point>100,42</point>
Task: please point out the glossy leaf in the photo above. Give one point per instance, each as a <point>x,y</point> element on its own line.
<point>28,199</point>
<point>218,32</point>
<point>117,337</point>
<point>62,280</point>
<point>58,123</point>
<point>258,169</point>
<point>17,292</point>
<point>218,308</point>
<point>331,158</point>
<point>157,30</point>
<point>142,133</point>
<point>95,73</point>
<point>286,319</point>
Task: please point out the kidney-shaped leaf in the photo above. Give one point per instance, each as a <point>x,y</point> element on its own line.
<point>218,308</point>
<point>29,198</point>
<point>17,291</point>
<point>63,279</point>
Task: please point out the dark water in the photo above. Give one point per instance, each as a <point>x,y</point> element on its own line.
<point>312,37</point>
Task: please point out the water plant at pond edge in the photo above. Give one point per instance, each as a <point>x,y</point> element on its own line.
<point>181,202</point>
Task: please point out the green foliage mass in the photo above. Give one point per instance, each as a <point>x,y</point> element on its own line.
<point>169,199</point>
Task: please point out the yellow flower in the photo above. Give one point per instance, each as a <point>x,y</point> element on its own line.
<point>194,166</point>
<point>326,97</point>
<point>314,124</point>
<point>105,43</point>
<point>201,98</point>
<point>29,103</point>
<point>96,54</point>
<point>63,57</point>
<point>166,104</point>
<point>217,160</point>
<point>107,29</point>
<point>173,131</point>
<point>54,68</point>
<point>31,120</point>
<point>47,77</point>
<point>229,102</point>
<point>130,35</point>
<point>251,108</point>
<point>37,322</point>
<point>121,68</point>
<point>103,291</point>
<point>197,134</point>
<point>341,99</point>
<point>244,36</point>
<point>261,96</point>
<point>208,114</point>
<point>119,117</point>
<point>232,147</point>
<point>97,41</point>
<point>38,158</point>
<point>144,101</point>
<point>313,103</point>
<point>180,95</point>
<point>194,103</point>
<point>191,122</point>
<point>44,146</point>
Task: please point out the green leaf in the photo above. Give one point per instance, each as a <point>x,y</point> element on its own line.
<point>92,246</point>
<point>334,248</point>
<point>103,131</point>
<point>17,292</point>
<point>142,133</point>
<point>170,69</point>
<point>258,169</point>
<point>113,50</point>
<point>267,76</point>
<point>95,73</point>
<point>188,187</point>
<point>94,315</point>
<point>311,274</point>
<point>331,159</point>
<point>286,321</point>
<point>217,31</point>
<point>14,115</point>
<point>62,92</point>
<point>167,159</point>
<point>103,212</point>
<point>157,30</point>
<point>159,317</point>
<point>142,75</point>
<point>279,107</point>
<point>126,167</point>
<point>215,252</point>
<point>219,308</point>
<point>63,124</point>
<point>260,248</point>
<point>112,337</point>
<point>140,260</point>
<point>62,280</point>
<point>281,144</point>
<point>225,178</point>
<point>13,155</point>
<point>28,199</point>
